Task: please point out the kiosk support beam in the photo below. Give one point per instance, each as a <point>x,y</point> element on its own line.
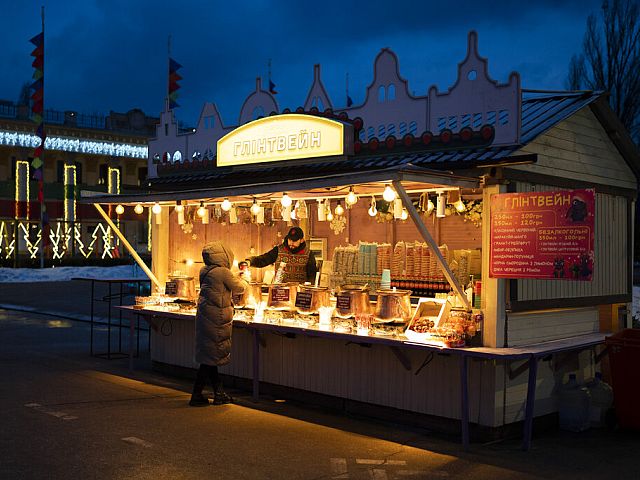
<point>126,243</point>
<point>415,216</point>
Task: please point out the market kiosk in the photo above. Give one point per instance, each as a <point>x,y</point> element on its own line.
<point>529,254</point>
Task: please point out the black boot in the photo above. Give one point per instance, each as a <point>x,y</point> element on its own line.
<point>197,398</point>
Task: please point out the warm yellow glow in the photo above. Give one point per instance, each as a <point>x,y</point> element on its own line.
<point>157,209</point>
<point>351,198</point>
<point>389,195</point>
<point>430,207</point>
<point>293,214</point>
<point>138,209</point>
<point>373,211</point>
<point>179,208</point>
<point>286,200</point>
<point>19,179</point>
<point>110,185</point>
<point>255,208</point>
<point>226,205</point>
<point>201,210</point>
<point>339,209</point>
<point>281,137</point>
<point>119,209</point>
<point>459,206</point>
<point>189,262</point>
<point>69,179</point>
<point>329,216</point>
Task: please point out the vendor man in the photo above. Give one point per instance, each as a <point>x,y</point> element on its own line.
<point>300,263</point>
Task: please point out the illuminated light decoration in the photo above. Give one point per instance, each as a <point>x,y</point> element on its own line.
<point>404,215</point>
<point>430,207</point>
<point>286,200</point>
<point>22,188</point>
<point>201,210</point>
<point>189,262</point>
<point>113,181</point>
<point>149,238</point>
<point>373,211</point>
<point>65,144</point>
<point>486,132</point>
<point>70,180</point>
<point>459,206</point>
<point>388,195</point>
<point>329,216</point>
<point>255,207</point>
<point>339,209</point>
<point>260,216</point>
<point>226,205</point>
<point>77,235</point>
<point>179,207</point>
<point>157,209</point>
<point>440,206</point>
<point>351,198</point>
<point>282,137</point>
<point>119,209</point>
<point>138,209</point>
<point>32,247</point>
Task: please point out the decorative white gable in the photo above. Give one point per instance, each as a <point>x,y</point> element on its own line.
<point>258,104</point>
<point>475,100</point>
<point>317,96</point>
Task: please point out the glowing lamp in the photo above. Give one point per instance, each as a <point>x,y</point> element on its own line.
<point>389,195</point>
<point>138,209</point>
<point>157,209</point>
<point>255,208</point>
<point>119,209</point>
<point>351,198</point>
<point>226,205</point>
<point>286,200</point>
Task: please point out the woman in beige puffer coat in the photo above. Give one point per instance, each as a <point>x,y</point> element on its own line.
<point>214,320</point>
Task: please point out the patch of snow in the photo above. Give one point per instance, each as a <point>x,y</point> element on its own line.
<point>62,274</point>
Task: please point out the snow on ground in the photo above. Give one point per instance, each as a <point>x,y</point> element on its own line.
<point>61,274</point>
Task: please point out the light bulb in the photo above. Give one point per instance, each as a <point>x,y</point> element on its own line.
<point>189,262</point>
<point>138,209</point>
<point>351,198</point>
<point>329,216</point>
<point>285,200</point>
<point>459,206</point>
<point>179,207</point>
<point>339,209</point>
<point>201,210</point>
<point>389,195</point>
<point>255,208</point>
<point>373,211</point>
<point>404,215</point>
<point>119,209</point>
<point>156,208</point>
<point>430,207</point>
<point>226,205</point>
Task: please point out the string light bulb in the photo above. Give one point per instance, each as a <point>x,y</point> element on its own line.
<point>255,208</point>
<point>339,209</point>
<point>430,207</point>
<point>226,205</point>
<point>138,209</point>
<point>119,209</point>
<point>373,211</point>
<point>351,198</point>
<point>389,195</point>
<point>179,207</point>
<point>286,200</point>
<point>157,209</point>
<point>201,210</point>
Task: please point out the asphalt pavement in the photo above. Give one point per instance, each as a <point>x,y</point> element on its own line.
<point>66,414</point>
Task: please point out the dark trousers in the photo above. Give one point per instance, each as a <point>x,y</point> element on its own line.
<point>207,372</point>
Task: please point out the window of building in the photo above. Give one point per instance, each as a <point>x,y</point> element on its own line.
<point>78,172</point>
<point>103,174</point>
<point>391,92</point>
<point>381,94</point>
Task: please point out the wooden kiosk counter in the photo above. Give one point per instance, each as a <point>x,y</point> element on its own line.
<point>518,218</point>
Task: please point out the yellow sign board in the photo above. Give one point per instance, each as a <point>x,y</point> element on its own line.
<point>282,137</point>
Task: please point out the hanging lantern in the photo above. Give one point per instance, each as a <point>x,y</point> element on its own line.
<point>255,208</point>
<point>339,209</point>
<point>373,211</point>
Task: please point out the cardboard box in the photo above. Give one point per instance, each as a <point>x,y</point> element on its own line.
<point>435,310</point>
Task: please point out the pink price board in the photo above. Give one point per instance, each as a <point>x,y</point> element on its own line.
<point>545,235</point>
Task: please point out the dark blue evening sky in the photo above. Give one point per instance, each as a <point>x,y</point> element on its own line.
<point>104,55</point>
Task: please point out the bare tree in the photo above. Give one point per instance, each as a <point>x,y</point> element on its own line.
<point>610,60</point>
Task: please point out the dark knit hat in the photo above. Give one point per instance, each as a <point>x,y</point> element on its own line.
<point>295,234</point>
